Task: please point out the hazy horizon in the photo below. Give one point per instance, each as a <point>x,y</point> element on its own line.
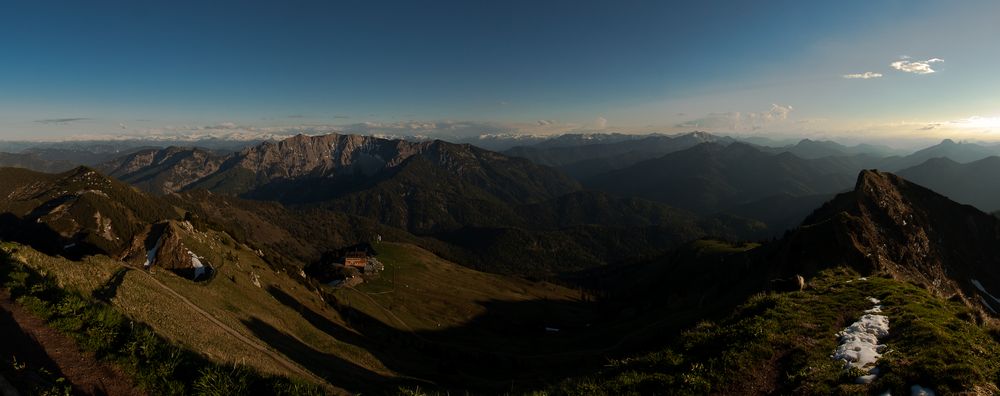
<point>904,74</point>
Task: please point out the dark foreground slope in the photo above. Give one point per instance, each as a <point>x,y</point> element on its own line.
<point>930,261</point>
<point>781,343</point>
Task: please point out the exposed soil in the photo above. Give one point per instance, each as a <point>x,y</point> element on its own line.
<point>37,346</point>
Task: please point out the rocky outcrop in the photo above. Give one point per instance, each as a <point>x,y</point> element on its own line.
<point>76,213</point>
<point>325,155</point>
<point>161,247</point>
<point>891,226</point>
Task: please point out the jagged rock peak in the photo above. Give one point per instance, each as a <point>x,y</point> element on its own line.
<point>891,226</point>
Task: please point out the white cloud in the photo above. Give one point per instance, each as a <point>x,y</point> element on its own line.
<point>544,122</point>
<point>740,121</point>
<point>601,123</point>
<point>916,67</point>
<point>863,76</point>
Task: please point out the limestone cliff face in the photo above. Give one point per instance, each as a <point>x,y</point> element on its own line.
<point>329,155</point>
<point>325,155</point>
<point>889,225</point>
<point>160,247</point>
<point>330,158</point>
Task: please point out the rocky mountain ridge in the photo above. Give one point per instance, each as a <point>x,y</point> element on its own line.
<point>892,226</point>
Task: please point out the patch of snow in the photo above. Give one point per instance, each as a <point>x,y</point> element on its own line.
<point>917,390</point>
<point>986,304</point>
<point>859,347</point>
<point>983,290</point>
<point>151,254</point>
<point>199,268</point>
<point>867,379</point>
<point>863,278</point>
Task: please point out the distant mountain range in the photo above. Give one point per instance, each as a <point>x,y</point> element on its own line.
<point>339,165</point>
<point>293,171</point>
<point>811,149</point>
<point>35,162</point>
<point>479,203</point>
<point>777,185</point>
<point>974,183</point>
<point>958,152</point>
<point>736,178</point>
<point>582,156</point>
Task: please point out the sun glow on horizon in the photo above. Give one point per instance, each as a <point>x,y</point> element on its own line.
<point>977,122</point>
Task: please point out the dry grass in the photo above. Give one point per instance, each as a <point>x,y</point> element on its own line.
<point>430,297</point>
<point>427,292</point>
<point>230,297</point>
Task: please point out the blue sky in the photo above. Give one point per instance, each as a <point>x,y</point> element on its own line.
<point>768,67</point>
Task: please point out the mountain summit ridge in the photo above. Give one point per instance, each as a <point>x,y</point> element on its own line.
<point>333,156</point>
<point>890,225</point>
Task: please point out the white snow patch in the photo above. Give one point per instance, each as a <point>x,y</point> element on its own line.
<point>151,254</point>
<point>983,290</point>
<point>867,379</point>
<point>199,268</point>
<point>917,390</point>
<point>987,304</point>
<point>859,347</point>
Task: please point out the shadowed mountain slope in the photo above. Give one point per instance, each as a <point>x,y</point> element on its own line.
<point>34,162</point>
<point>976,183</point>
<point>710,177</point>
<point>890,225</point>
<point>76,212</point>
<point>585,158</point>
<point>526,218</point>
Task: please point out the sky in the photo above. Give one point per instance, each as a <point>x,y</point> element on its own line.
<point>849,70</point>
